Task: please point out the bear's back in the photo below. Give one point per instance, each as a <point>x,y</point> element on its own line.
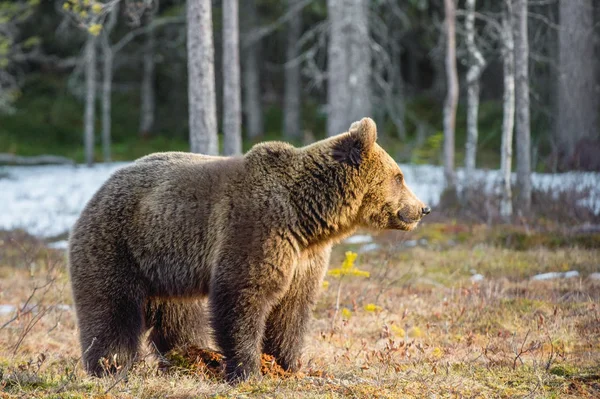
<point>160,208</point>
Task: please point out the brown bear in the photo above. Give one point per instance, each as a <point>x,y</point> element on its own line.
<point>252,233</point>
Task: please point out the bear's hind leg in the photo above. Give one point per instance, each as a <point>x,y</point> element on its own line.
<point>177,324</point>
<point>110,330</point>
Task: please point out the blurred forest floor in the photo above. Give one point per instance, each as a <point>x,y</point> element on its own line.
<point>449,310</point>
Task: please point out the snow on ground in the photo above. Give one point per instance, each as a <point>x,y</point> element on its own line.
<point>46,200</point>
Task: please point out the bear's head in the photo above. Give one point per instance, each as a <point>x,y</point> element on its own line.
<point>388,203</point>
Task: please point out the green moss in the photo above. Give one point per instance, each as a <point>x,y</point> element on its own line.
<point>564,370</point>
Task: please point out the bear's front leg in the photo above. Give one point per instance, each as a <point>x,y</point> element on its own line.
<point>288,322</point>
<point>241,298</point>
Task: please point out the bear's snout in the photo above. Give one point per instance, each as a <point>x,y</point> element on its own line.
<point>425,210</point>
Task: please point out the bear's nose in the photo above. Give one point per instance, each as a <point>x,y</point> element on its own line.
<point>426,210</point>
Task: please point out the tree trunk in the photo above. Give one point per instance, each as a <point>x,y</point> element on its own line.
<point>451,95</point>
<point>476,65</point>
<point>337,68</point>
<point>107,78</point>
<point>90,98</point>
<point>201,78</point>
<point>359,58</point>
<point>232,108</point>
<point>522,125</point>
<point>396,97</point>
<point>577,92</point>
<point>251,80</point>
<point>292,102</point>
<point>106,99</point>
<point>148,97</point>
<point>349,64</point>
<point>508,110</point>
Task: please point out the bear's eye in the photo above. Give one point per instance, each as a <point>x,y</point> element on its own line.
<point>400,179</point>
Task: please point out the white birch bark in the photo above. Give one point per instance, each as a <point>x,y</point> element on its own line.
<point>201,78</point>
<point>508,110</point>
<point>232,108</point>
<point>476,65</point>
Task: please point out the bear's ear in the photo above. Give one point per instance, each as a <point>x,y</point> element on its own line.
<point>353,146</point>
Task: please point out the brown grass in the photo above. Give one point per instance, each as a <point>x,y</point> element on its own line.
<point>429,332</point>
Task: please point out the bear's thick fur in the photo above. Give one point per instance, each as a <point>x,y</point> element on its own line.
<point>252,233</point>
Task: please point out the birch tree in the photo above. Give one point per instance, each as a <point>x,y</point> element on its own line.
<point>476,66</point>
<point>107,78</point>
<point>452,93</point>
<point>90,98</point>
<point>522,125</point>
<point>292,101</point>
<point>232,108</point>
<point>349,64</point>
<point>577,86</point>
<point>508,110</point>
<point>147,94</point>
<point>337,68</point>
<point>251,50</point>
<point>201,78</point>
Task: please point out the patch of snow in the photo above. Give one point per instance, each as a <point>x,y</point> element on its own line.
<point>594,276</point>
<point>477,277</point>
<point>410,243</point>
<point>63,244</point>
<point>427,182</point>
<point>369,247</point>
<point>62,306</point>
<point>555,275</point>
<point>46,200</point>
<point>546,276</point>
<point>358,239</point>
<point>7,309</point>
<point>571,274</point>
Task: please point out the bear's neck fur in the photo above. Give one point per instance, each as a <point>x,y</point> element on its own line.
<point>324,216</point>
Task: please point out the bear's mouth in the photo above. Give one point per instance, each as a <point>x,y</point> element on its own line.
<point>406,220</point>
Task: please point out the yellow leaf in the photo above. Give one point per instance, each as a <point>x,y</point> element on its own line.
<point>371,307</point>
<point>349,260</point>
<point>325,284</point>
<point>437,352</point>
<point>95,29</point>
<point>415,332</point>
<point>97,8</point>
<point>399,331</point>
<point>347,268</point>
<point>346,313</point>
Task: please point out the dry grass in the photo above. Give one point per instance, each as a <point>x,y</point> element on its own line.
<point>416,328</point>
